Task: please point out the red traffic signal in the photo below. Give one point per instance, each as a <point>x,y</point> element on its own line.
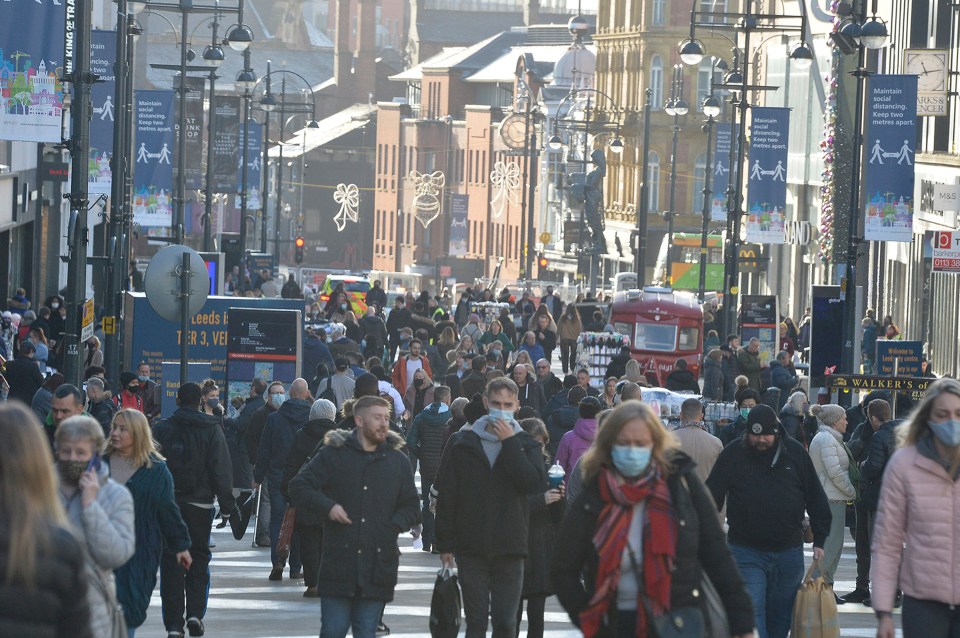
<point>542,261</point>
<point>299,242</point>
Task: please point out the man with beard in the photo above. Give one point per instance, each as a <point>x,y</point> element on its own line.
<point>767,482</point>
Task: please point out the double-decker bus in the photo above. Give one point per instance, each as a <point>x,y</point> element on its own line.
<point>684,255</point>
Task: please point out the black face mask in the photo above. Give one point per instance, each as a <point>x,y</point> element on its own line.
<point>418,383</point>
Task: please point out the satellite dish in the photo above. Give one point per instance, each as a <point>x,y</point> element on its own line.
<point>161,282</point>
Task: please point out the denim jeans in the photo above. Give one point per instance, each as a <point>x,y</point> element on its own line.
<point>771,579</point>
<point>428,520</point>
<point>278,507</point>
<point>338,615</point>
<point>491,589</point>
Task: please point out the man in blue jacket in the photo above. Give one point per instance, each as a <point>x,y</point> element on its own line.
<point>275,444</point>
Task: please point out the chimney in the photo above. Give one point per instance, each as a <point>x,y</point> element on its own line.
<point>531,12</point>
<point>342,55</point>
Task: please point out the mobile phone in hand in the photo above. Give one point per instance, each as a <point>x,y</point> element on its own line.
<point>94,464</point>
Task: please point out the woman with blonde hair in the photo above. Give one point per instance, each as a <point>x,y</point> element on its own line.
<point>100,509</point>
<point>43,585</point>
<point>135,461</point>
<point>916,540</point>
<point>642,533</point>
<point>634,374</point>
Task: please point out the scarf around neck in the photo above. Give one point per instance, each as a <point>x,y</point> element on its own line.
<point>610,541</point>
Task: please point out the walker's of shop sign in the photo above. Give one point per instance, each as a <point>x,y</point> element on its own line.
<point>868,382</point>
<point>946,250</point>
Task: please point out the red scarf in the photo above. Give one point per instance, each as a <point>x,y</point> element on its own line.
<point>610,540</point>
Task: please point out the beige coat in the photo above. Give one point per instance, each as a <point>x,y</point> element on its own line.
<point>701,446</point>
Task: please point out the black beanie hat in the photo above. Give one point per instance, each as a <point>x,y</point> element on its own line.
<point>762,420</point>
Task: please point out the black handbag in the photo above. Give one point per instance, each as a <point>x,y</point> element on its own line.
<point>445,605</point>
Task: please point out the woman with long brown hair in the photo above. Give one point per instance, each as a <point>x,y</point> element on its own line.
<point>43,588</point>
<point>639,538</point>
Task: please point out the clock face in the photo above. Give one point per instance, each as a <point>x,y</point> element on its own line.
<point>513,131</point>
<point>930,67</point>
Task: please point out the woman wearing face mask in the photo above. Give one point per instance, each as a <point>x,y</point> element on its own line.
<point>135,462</point>
<point>100,510</point>
<point>129,397</point>
<point>211,399</point>
<point>353,328</point>
<point>642,532</point>
<point>919,501</point>
<point>418,396</point>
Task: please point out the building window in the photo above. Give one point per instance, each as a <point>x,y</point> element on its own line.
<point>704,81</point>
<point>699,181</point>
<point>656,82</point>
<point>659,12</point>
<point>653,179</point>
<point>710,11</point>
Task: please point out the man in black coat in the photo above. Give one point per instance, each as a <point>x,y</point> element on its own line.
<point>362,484</point>
<point>399,318</point>
<point>253,433</point>
<point>681,379</point>
<point>475,381</point>
<point>618,363</point>
<point>199,461</point>
<point>23,375</point>
<point>425,441</point>
<point>547,380</point>
<point>768,482</point>
<point>483,512</point>
<point>376,295</point>
<point>275,444</point>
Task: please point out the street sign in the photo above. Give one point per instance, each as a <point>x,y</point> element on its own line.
<point>946,251</point>
<point>870,382</point>
<point>86,327</point>
<point>946,197</point>
<point>110,325</point>
<point>899,357</point>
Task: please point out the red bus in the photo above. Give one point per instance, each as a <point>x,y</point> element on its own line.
<point>664,326</point>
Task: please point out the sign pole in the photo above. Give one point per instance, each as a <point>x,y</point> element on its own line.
<point>184,314</point>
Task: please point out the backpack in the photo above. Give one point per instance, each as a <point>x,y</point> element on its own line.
<point>328,393</point>
<point>184,459</point>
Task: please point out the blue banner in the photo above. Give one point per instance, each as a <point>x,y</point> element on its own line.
<point>103,57</point>
<point>31,60</point>
<point>767,172</point>
<point>721,171</point>
<point>153,160</point>
<point>890,144</point>
<point>459,226</point>
<point>254,156</point>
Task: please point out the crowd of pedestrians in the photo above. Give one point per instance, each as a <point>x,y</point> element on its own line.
<point>531,484</point>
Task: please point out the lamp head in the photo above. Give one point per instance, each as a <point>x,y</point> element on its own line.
<point>711,106</point>
<point>246,79</point>
<point>873,33</point>
<point>135,6</point>
<point>268,103</point>
<point>733,78</point>
<point>691,51</point>
<point>681,106</point>
<point>240,37</point>
<point>802,56</point>
<point>669,108</point>
<point>555,143</point>
<point>616,146</point>
<point>213,55</point>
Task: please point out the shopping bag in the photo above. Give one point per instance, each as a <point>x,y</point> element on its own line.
<point>445,605</point>
<point>286,534</point>
<point>815,609</point>
<point>240,517</point>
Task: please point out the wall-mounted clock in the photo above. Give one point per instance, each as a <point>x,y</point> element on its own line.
<point>513,131</point>
<point>930,67</point>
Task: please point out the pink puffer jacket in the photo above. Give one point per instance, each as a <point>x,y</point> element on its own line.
<point>920,508</point>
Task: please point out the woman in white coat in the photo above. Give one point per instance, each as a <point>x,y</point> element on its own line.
<point>832,459</point>
<point>100,510</point>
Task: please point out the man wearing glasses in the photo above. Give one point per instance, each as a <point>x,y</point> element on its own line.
<point>547,380</point>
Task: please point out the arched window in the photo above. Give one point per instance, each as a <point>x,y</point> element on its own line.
<point>656,82</point>
<point>653,181</point>
<point>699,180</point>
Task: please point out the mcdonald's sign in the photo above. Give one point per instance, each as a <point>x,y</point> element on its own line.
<point>751,259</point>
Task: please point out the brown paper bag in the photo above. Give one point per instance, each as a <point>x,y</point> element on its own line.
<point>815,609</point>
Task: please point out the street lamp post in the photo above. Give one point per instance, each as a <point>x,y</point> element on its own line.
<point>644,209</point>
<point>711,108</point>
<point>676,107</point>
<point>691,52</point>
<point>212,56</point>
<point>866,34</point>
<point>246,80</point>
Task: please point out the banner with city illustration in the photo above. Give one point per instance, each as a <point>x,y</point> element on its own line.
<point>103,56</point>
<point>253,156</point>
<point>31,61</point>
<point>721,171</point>
<point>153,161</point>
<point>890,144</point>
<point>767,172</point>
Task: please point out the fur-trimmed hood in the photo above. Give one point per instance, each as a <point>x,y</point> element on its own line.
<point>339,438</point>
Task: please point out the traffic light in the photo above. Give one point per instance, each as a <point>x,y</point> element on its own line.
<point>298,250</point>
<point>542,261</point>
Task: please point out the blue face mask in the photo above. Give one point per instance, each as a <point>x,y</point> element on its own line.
<point>278,399</point>
<point>503,415</point>
<point>947,432</point>
<point>631,461</point>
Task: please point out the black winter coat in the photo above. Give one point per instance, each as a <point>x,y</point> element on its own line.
<point>472,383</point>
<point>305,443</point>
<point>277,439</point>
<point>544,523</point>
<point>254,431</point>
<point>560,422</point>
<point>532,396</point>
<point>205,433</point>
<point>103,412</point>
<point>425,439</point>
<point>378,493</point>
<point>682,381</point>
<point>712,380</point>
<point>730,369</point>
<point>484,511</point>
<point>57,606</point>
<point>883,444</point>
<point>617,366</point>
<point>555,401</point>
<point>701,546</point>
